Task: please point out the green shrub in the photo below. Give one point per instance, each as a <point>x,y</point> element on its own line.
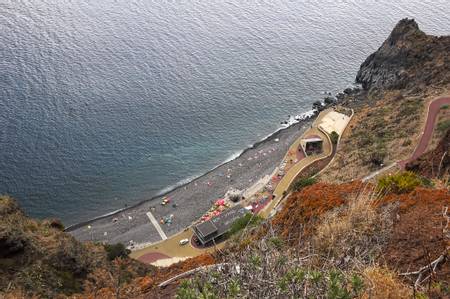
<point>334,137</point>
<point>444,125</point>
<point>426,182</point>
<point>407,142</point>
<point>116,250</point>
<point>376,158</point>
<point>248,220</point>
<point>303,182</point>
<point>402,182</point>
<point>445,107</point>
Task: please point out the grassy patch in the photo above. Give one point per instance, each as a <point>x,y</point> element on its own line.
<point>410,108</point>
<point>243,222</point>
<point>303,182</point>
<point>398,183</point>
<point>444,125</point>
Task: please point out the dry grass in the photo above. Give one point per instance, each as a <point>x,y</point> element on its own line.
<point>358,230</point>
<point>442,117</point>
<point>373,136</point>
<point>382,283</point>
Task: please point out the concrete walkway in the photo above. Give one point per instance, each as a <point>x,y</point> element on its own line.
<point>156,225</point>
<point>171,246</point>
<point>295,170</point>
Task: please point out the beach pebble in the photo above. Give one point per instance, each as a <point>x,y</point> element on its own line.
<point>130,218</point>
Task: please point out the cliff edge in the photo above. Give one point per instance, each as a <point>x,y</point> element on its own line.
<point>407,58</point>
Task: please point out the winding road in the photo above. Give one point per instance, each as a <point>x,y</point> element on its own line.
<point>433,111</point>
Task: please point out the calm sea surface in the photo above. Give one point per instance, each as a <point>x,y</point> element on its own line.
<point>105,103</point>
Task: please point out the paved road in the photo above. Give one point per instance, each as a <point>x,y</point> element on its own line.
<point>433,110</point>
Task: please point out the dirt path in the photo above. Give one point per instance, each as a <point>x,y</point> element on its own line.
<point>433,110</point>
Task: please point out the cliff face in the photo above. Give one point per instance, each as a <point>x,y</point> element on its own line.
<point>408,58</point>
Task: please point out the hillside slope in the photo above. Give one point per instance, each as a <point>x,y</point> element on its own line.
<point>399,80</point>
<point>339,238</point>
<point>38,258</point>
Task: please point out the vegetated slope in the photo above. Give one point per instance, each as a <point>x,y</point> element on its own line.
<point>306,206</point>
<point>421,234</point>
<point>345,242</point>
<point>435,163</point>
<point>380,133</point>
<point>409,70</point>
<point>38,258</point>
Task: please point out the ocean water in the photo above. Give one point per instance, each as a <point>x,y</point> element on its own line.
<point>106,103</point>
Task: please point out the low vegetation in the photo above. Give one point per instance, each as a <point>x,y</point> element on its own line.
<point>116,250</point>
<point>303,182</point>
<point>444,125</point>
<point>248,220</point>
<point>373,138</point>
<point>334,137</point>
<point>402,182</point>
<point>38,258</point>
<point>342,255</point>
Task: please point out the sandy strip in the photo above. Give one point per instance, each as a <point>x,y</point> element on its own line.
<point>168,262</point>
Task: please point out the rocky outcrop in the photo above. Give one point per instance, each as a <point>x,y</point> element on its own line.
<point>408,58</point>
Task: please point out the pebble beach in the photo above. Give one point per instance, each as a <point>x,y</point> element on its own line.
<point>190,201</point>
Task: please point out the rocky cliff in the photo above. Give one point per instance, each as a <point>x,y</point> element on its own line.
<point>408,58</point>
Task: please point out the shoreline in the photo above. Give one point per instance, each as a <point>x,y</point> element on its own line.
<point>309,115</point>
<point>191,200</point>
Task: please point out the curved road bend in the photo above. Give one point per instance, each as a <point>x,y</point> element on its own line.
<point>433,110</point>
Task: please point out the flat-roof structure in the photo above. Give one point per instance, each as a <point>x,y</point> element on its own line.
<point>311,144</point>
<point>219,225</point>
<point>334,121</point>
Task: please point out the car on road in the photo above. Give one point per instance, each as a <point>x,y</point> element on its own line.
<point>184,242</point>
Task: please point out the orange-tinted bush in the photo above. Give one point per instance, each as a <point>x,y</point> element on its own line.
<point>306,205</point>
